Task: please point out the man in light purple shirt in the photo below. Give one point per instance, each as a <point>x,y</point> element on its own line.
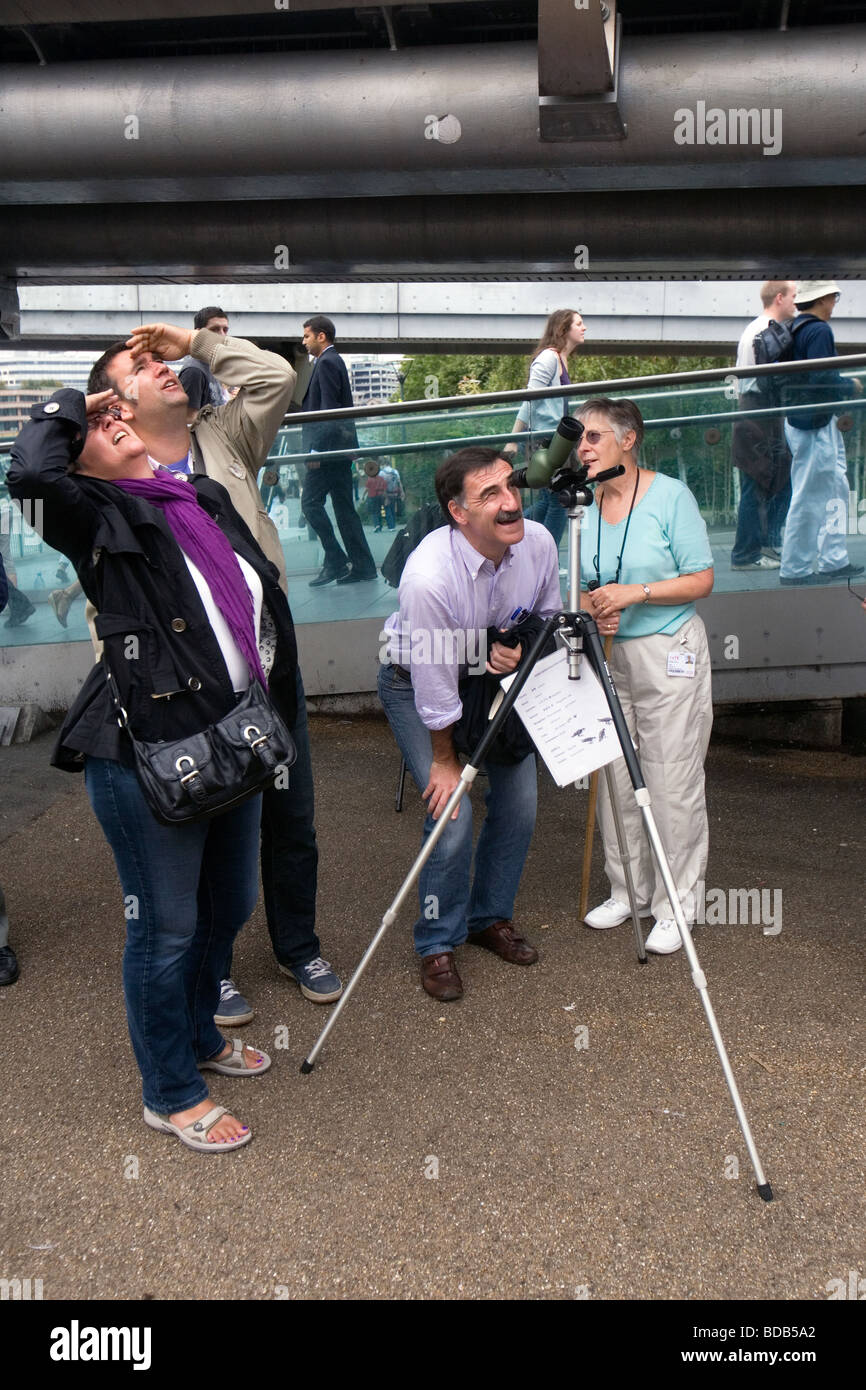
<point>487,568</point>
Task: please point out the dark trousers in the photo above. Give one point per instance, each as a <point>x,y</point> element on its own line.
<point>759,520</point>
<point>19,607</point>
<point>4,920</point>
<point>334,476</point>
<point>290,856</point>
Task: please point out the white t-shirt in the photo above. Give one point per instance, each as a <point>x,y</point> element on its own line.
<point>239,672</point>
<point>746,351</point>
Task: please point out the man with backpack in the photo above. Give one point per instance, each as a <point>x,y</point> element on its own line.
<point>814,549</point>
<point>758,447</point>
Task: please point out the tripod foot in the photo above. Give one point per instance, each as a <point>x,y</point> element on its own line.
<point>643,960</point>
<point>306,1067</point>
<point>765,1192</point>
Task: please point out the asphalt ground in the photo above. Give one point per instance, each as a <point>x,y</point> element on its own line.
<point>480,1150</point>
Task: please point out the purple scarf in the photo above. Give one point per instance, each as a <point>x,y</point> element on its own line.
<point>201,539</point>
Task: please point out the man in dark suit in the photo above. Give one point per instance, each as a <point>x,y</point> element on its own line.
<point>329,389</point>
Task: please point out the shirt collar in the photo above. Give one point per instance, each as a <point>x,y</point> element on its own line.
<point>473,559</point>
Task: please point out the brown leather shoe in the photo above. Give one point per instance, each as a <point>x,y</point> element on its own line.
<point>440,979</point>
<point>502,939</point>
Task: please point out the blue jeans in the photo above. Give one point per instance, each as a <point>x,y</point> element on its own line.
<point>448,909</point>
<point>759,520</point>
<point>290,857</point>
<point>187,892</point>
<point>548,510</point>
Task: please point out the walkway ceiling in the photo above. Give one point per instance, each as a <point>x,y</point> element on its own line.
<point>239,140</point>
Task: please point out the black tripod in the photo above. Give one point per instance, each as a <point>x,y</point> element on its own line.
<point>580,635</point>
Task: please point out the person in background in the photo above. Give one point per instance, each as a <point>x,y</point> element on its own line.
<point>814,550</point>
<point>393,493</point>
<point>329,389</point>
<point>376,487</point>
<point>758,447</point>
<point>642,572</point>
<point>8,963</point>
<point>19,605</point>
<point>563,333</point>
<point>196,378</point>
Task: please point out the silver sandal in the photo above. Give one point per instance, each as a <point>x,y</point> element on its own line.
<point>194,1135</point>
<point>234,1064</point>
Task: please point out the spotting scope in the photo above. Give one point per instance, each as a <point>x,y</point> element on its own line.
<point>544,462</point>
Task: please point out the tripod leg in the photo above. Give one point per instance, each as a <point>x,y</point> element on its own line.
<point>467,777</point>
<point>700,982</point>
<point>642,797</point>
<point>401,785</point>
<point>625,859</point>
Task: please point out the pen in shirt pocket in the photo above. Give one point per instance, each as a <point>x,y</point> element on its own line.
<point>518,615</point>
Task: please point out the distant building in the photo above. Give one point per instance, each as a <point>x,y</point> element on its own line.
<point>72,368</point>
<point>15,403</point>
<point>372,381</point>
<point>16,368</point>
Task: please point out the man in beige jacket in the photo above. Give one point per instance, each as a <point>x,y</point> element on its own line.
<point>231,443</point>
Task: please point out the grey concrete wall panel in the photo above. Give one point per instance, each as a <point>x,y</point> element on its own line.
<point>353,124</point>
<point>415,316</point>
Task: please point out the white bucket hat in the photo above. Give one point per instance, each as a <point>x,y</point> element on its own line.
<point>810,290</point>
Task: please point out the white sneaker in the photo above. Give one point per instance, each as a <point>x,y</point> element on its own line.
<point>608,914</point>
<point>664,938</point>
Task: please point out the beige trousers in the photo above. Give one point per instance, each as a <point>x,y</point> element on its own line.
<point>669,718</point>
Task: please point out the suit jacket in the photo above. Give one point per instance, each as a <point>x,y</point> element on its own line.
<point>329,389</point>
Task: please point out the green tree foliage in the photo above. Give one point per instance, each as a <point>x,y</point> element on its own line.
<point>689,452</point>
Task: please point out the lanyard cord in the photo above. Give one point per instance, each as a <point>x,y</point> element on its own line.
<point>624,539</point>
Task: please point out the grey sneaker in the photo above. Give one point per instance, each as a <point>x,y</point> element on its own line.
<point>233,1009</point>
<point>316,979</point>
<point>763,562</point>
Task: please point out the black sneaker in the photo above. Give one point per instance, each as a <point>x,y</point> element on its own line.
<point>327,576</point>
<point>846,572</point>
<point>8,966</point>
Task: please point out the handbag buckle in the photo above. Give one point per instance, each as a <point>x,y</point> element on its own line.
<point>250,732</point>
<point>180,763</point>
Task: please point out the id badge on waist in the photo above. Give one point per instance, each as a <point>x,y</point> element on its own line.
<point>681,663</point>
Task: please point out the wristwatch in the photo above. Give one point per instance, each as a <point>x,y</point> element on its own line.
<point>647,592</point>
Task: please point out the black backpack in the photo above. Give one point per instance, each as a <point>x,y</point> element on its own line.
<point>427,518</point>
<point>775,343</point>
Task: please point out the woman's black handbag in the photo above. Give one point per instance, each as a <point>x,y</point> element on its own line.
<point>204,774</point>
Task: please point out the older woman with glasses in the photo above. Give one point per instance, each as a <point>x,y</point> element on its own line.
<point>645,561</point>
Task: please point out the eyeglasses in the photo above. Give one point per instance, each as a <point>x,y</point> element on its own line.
<point>593,436</point>
<point>861,598</point>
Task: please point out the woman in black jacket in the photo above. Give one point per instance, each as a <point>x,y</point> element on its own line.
<point>188,611</point>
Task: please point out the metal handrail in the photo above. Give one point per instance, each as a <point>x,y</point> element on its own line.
<point>583,388</point>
